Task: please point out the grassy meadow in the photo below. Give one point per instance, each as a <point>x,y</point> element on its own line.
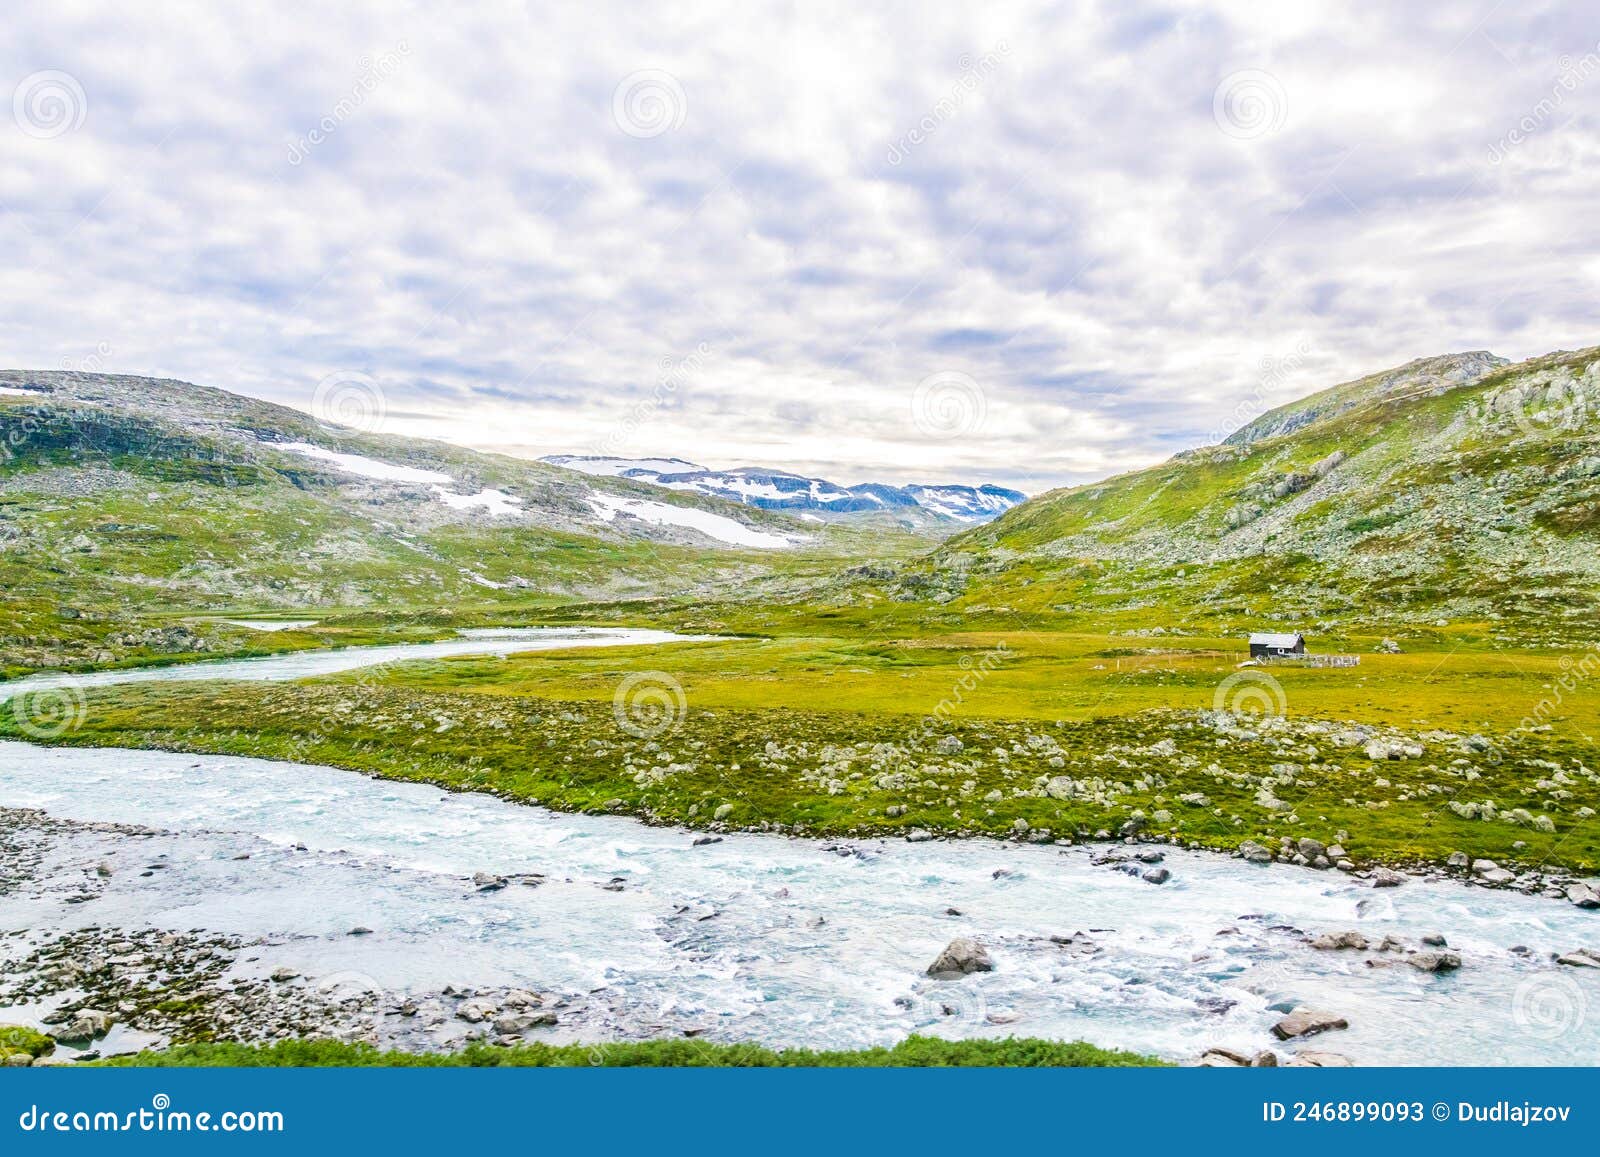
<point>1022,734</point>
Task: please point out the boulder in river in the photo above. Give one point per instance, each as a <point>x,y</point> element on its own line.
<point>477,1011</point>
<point>1582,958</point>
<point>961,957</point>
<point>1305,1021</point>
<point>85,1026</point>
<point>1583,894</point>
<point>1336,940</point>
<point>1434,961</point>
<point>1386,878</point>
<point>517,1023</point>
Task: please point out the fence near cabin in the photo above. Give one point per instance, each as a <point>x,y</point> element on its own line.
<point>1313,660</point>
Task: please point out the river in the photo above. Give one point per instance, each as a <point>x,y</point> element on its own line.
<point>641,932</point>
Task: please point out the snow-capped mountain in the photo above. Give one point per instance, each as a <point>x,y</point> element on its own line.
<point>795,493</point>
<point>615,467</point>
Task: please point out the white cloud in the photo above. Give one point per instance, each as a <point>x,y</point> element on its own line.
<point>1071,228</point>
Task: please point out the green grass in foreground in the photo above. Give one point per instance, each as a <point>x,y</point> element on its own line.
<point>16,1039</point>
<point>915,1052</point>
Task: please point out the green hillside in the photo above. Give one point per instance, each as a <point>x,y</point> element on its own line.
<point>138,514</point>
<point>1456,490</point>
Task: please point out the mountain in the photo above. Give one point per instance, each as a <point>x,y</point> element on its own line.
<point>1460,488</point>
<point>816,497</point>
<point>130,505</point>
<point>615,467</point>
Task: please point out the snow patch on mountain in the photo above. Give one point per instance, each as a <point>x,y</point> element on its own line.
<point>716,526</point>
<point>491,501</point>
<point>365,467</point>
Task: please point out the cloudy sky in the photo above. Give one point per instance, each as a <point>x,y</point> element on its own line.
<point>1023,243</point>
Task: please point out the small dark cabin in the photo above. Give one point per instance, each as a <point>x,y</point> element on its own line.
<point>1267,645</point>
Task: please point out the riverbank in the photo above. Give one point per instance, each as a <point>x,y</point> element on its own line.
<point>214,899</point>
<point>1341,796</point>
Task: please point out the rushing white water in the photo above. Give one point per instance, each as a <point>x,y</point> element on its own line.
<point>306,664</point>
<point>758,938</point>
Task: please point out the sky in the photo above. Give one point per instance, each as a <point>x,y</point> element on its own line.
<point>1027,244</point>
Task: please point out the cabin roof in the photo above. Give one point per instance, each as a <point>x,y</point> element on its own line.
<point>1273,639</point>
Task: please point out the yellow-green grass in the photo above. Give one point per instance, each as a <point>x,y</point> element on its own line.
<point>839,737</point>
<point>1041,675</point>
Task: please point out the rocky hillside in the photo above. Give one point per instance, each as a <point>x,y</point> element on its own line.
<point>1453,489</point>
<point>124,497</point>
